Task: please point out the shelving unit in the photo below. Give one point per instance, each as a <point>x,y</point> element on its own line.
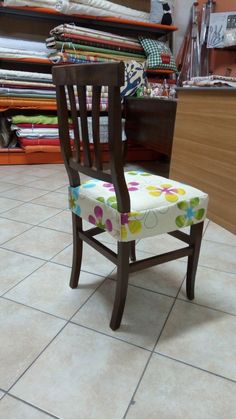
<point>115,25</point>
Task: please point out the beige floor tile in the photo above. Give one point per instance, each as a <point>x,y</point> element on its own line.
<point>6,204</point>
<point>218,256</point>
<point>39,171</point>
<point>49,183</point>
<point>201,337</point>
<point>83,374</point>
<point>144,315</point>
<point>160,244</point>
<point>30,213</point>
<point>171,390</point>
<point>40,242</point>
<point>10,229</point>
<point>60,222</point>
<point>24,334</point>
<point>4,186</point>
<point>24,193</point>
<point>52,199</point>
<point>9,170</point>
<point>214,289</point>
<point>219,234</point>
<point>166,278</point>
<point>11,408</point>
<point>63,189</point>
<point>21,179</point>
<point>15,267</point>
<point>92,260</point>
<point>48,290</point>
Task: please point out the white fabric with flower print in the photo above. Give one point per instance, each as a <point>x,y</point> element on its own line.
<point>158,205</point>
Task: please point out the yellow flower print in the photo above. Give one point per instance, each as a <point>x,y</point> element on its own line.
<point>134,226</point>
<point>171,193</point>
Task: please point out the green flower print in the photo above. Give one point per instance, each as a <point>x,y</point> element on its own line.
<point>110,202</point>
<point>191,216</point>
<point>138,172</point>
<point>133,226</point>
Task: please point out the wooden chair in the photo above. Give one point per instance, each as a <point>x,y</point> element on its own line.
<point>130,205</point>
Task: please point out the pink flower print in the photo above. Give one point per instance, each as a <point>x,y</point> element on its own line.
<point>98,219</point>
<point>132,186</point>
<point>109,186</point>
<point>170,193</point>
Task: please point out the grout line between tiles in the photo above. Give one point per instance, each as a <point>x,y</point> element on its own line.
<point>48,344</point>
<point>152,352</point>
<point>33,308</point>
<point>35,225</point>
<point>205,306</point>
<point>194,366</point>
<point>32,405</point>
<point>109,336</point>
<point>220,243</point>
<point>147,363</point>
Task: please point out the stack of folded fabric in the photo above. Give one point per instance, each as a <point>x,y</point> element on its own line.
<point>211,81</point>
<point>75,44</point>
<point>37,133</point>
<point>24,89</point>
<point>16,49</point>
<point>102,8</point>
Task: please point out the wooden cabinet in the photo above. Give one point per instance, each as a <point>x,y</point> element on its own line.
<point>150,122</point>
<point>204,148</point>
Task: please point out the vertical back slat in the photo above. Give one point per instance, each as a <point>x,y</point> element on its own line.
<point>95,126</point>
<point>84,124</point>
<point>74,115</point>
<point>63,124</point>
<point>115,148</point>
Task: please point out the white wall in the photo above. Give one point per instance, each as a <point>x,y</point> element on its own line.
<point>181,16</point>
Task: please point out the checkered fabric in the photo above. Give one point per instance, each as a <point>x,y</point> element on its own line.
<point>158,54</point>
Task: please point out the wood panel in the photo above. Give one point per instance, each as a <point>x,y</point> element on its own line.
<point>204,149</point>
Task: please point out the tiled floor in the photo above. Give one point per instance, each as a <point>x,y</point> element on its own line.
<point>170,359</point>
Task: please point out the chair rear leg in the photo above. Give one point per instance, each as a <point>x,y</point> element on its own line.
<point>196,239</point>
<point>132,251</point>
<point>121,285</point>
<point>77,251</point>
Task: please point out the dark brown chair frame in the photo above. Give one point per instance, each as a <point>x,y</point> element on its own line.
<point>77,161</point>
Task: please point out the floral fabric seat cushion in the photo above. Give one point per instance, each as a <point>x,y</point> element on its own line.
<point>158,205</point>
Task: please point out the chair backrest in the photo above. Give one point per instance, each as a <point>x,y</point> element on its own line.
<point>72,83</point>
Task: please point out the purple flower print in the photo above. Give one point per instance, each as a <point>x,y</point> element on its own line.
<point>98,221</point>
<point>132,186</point>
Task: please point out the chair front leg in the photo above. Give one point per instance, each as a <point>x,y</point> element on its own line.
<point>132,251</point>
<point>77,251</point>
<point>124,250</point>
<point>196,239</point>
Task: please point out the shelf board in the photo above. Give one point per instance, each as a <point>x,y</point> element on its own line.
<point>129,26</point>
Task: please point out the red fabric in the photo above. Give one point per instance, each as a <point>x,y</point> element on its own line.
<point>40,141</point>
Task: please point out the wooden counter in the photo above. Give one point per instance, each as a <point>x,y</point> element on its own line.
<point>204,148</point>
